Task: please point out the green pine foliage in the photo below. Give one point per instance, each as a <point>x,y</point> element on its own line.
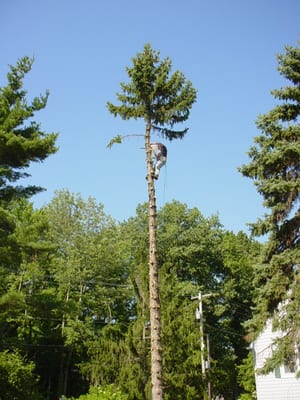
<point>275,169</point>
<point>246,378</point>
<point>23,248</point>
<point>22,140</point>
<point>155,95</point>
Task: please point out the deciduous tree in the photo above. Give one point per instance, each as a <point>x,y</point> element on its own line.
<point>18,380</point>
<point>90,277</point>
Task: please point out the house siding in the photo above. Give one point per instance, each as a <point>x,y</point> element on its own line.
<point>277,385</point>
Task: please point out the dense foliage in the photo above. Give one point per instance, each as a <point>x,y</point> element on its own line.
<point>22,140</point>
<point>22,246</point>
<point>102,393</point>
<point>275,168</point>
<point>17,377</point>
<point>76,302</point>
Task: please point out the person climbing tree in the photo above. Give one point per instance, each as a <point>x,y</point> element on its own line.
<point>162,100</point>
<point>159,153</point>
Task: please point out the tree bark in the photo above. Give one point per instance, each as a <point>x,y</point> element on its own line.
<point>154,300</point>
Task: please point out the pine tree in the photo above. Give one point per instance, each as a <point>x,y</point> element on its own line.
<point>275,169</point>
<point>162,101</point>
<point>20,143</point>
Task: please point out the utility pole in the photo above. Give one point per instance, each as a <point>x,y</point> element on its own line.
<point>199,316</point>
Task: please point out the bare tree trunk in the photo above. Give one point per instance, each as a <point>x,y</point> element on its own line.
<point>155,320</point>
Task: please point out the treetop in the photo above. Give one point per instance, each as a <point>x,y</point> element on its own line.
<point>154,94</point>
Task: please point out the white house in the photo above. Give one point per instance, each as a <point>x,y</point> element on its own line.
<point>282,383</point>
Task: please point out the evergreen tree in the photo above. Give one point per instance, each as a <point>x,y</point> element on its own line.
<point>26,301</point>
<point>21,143</point>
<point>275,169</point>
<point>162,101</point>
<point>135,367</point>
<point>246,378</point>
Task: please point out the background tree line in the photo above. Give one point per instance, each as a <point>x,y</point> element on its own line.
<point>74,309</point>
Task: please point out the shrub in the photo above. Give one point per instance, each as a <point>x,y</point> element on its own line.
<point>109,392</point>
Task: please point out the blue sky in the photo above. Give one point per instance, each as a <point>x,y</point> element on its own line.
<point>82,48</point>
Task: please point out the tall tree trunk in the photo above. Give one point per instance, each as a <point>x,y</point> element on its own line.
<point>155,320</point>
